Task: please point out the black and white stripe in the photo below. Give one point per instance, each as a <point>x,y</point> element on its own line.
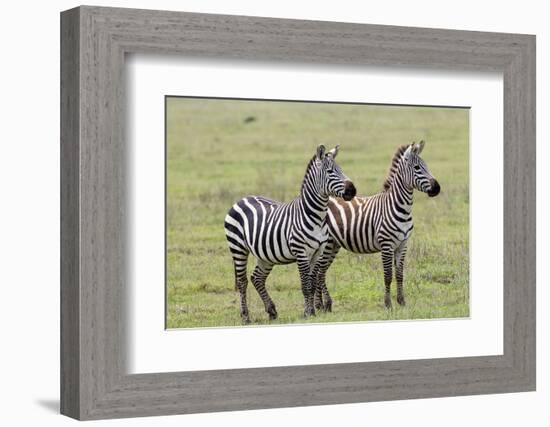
<point>282,233</point>
<point>379,223</point>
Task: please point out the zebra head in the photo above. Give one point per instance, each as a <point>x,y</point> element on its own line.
<point>331,179</point>
<point>417,173</point>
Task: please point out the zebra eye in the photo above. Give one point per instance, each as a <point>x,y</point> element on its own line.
<point>417,168</point>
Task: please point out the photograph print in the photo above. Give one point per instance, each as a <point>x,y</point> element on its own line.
<point>296,212</point>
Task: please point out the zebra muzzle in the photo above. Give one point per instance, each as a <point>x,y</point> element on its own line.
<point>349,191</point>
<point>435,188</point>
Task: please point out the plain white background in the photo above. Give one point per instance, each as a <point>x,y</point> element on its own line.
<point>29,214</point>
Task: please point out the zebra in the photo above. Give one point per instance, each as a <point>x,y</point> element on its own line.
<point>379,223</point>
<point>283,233</point>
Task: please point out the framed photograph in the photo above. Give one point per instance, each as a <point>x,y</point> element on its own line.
<point>261,213</point>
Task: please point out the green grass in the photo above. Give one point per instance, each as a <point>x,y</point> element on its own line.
<point>215,156</point>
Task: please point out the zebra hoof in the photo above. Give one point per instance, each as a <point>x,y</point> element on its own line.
<point>328,307</point>
<point>308,312</point>
<point>401,300</point>
<point>245,320</point>
<point>272,311</point>
<point>387,303</point>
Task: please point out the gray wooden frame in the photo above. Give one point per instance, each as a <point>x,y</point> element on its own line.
<point>94,382</point>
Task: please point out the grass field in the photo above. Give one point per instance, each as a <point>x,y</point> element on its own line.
<point>221,150</point>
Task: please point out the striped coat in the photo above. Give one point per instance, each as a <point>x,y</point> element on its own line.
<point>379,223</point>
<point>282,233</point>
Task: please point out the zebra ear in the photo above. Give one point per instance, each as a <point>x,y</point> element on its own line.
<point>420,147</point>
<point>408,151</point>
<point>320,152</point>
<point>334,151</point>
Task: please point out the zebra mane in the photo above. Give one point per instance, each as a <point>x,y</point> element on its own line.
<point>308,168</point>
<point>393,168</point>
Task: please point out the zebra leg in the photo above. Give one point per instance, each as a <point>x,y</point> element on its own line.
<point>387,258</point>
<point>399,259</point>
<point>241,283</point>
<point>317,293</point>
<point>306,278</point>
<point>321,290</point>
<point>258,278</point>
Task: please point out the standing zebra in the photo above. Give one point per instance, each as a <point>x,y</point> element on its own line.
<point>379,223</point>
<point>283,233</point>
